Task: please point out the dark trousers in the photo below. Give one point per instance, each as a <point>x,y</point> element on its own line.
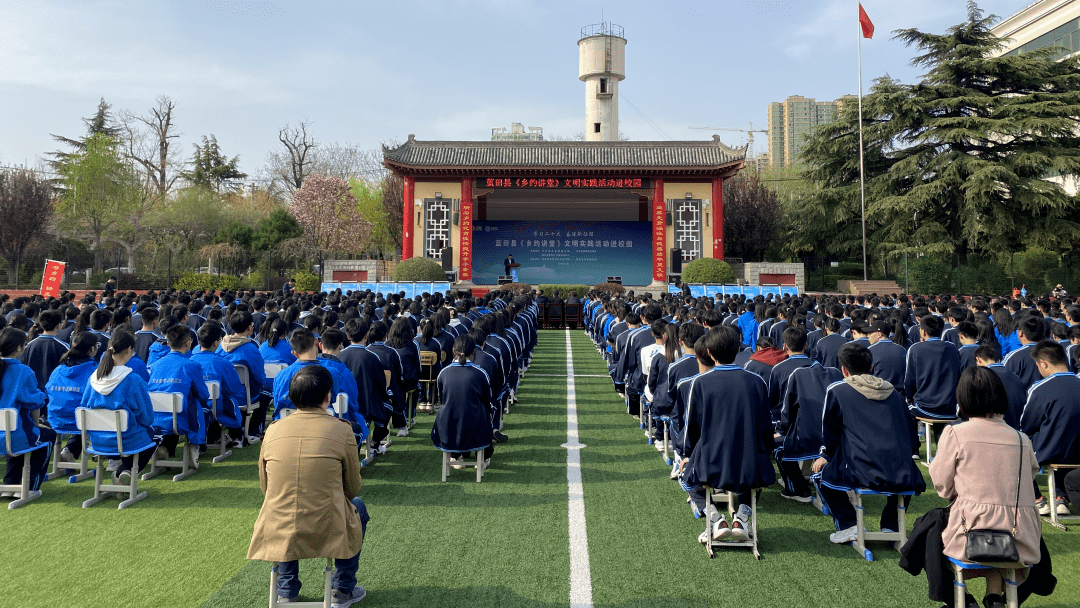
<point>39,462</point>
<point>1059,485</point>
<point>488,451</point>
<point>633,402</point>
<point>791,474</point>
<point>843,512</point>
<point>398,419</point>
<point>74,445</point>
<point>144,458</point>
<point>378,433</point>
<point>258,417</point>
<point>1072,485</point>
<point>344,578</point>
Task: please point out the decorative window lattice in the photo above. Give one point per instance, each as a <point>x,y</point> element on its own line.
<point>688,228</point>
<point>436,227</point>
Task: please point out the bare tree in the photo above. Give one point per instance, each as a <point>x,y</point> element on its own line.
<point>26,209</point>
<point>752,216</point>
<point>288,169</point>
<point>150,144</point>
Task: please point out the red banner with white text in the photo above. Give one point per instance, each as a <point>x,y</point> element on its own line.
<point>52,278</point>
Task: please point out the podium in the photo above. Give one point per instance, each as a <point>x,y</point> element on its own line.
<point>513,270</point>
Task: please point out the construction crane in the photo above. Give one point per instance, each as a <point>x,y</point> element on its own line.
<point>750,133</point>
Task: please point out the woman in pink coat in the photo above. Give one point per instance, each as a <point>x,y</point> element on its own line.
<point>976,468</point>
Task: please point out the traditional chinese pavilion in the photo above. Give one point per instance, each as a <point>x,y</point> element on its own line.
<point>458,191</point>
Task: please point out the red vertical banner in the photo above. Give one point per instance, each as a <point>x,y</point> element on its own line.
<point>52,278</point>
<point>407,221</point>
<point>659,208</point>
<point>718,218</point>
<point>466,245</point>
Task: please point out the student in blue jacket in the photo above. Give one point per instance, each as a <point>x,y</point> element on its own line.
<point>19,392</point>
<point>867,442</point>
<point>216,368</point>
<point>306,350</point>
<point>65,391</point>
<point>160,348</point>
<point>239,348</point>
<point>113,387</point>
<point>332,341</point>
<point>1051,418</point>
<point>176,373</point>
<point>276,349</point>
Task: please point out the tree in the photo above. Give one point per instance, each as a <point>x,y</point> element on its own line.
<point>101,123</point>
<point>393,195</point>
<point>752,216</point>
<point>99,189</point>
<point>279,227</point>
<point>287,170</point>
<point>369,203</point>
<point>150,144</point>
<point>327,210</point>
<point>26,209</point>
<point>238,234</point>
<point>212,169</point>
<point>956,163</point>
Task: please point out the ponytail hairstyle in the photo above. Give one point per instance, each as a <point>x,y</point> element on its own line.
<point>120,317</point>
<point>427,330</point>
<point>292,314</point>
<point>278,330</point>
<point>46,321</point>
<point>82,345</point>
<point>899,334</point>
<point>464,347</point>
<point>267,325</point>
<point>671,342</point>
<point>118,343</point>
<point>82,322</point>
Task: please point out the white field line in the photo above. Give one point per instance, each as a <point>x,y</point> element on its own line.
<point>580,574</point>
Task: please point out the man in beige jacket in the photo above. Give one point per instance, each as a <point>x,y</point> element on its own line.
<point>309,473</point>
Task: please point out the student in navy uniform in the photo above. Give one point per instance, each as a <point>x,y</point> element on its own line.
<point>830,343</point>
<point>65,391</point>
<point>19,391</point>
<point>44,351</point>
<point>933,369</point>
<point>493,367</point>
<point>239,349</point>
<point>463,423</point>
<point>619,351</point>
<point>391,361</point>
<point>148,334</point>
<point>217,368</point>
<point>425,342</point>
<point>400,338</point>
<point>99,320</point>
<point>798,426</point>
<point>728,437</point>
<point>656,390</point>
<point>890,358</point>
<point>629,369</point>
<point>1029,330</point>
<point>1051,418</point>
<point>990,357</point>
<point>372,397</point>
<point>794,346</point>
<point>176,373</point>
<point>112,386</point>
<point>868,442</point>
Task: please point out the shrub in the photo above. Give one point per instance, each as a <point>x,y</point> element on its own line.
<point>205,282</point>
<point>981,277</point>
<point>419,269</point>
<point>256,280</point>
<point>612,289</point>
<point>563,291</point>
<point>307,281</point>
<point>708,270</point>
<point>929,275</point>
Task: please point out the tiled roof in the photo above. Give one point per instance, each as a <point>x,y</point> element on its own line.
<point>564,154</point>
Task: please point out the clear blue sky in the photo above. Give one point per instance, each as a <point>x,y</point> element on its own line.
<point>366,72</point>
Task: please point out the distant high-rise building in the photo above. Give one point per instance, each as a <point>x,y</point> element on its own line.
<point>517,132</point>
<point>793,120</point>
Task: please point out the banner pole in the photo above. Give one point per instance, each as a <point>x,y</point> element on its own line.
<point>862,168</point>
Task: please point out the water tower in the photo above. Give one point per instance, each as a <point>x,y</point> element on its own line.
<point>601,65</point>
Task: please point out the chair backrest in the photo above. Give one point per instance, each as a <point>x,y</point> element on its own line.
<point>168,403</point>
<point>273,369</point>
<point>428,358</point>
<point>341,405</point>
<point>554,311</point>
<point>573,311</point>
<point>245,379</point>
<point>102,420</point>
<point>213,387</point>
<point>285,413</point>
<point>9,423</point>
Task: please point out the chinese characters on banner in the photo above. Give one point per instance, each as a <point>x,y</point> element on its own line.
<point>659,234</point>
<point>51,279</point>
<point>466,246</point>
<point>560,182</point>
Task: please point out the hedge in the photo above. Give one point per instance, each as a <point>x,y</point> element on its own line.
<point>419,269</point>
<point>192,281</point>
<point>563,291</point>
<point>708,270</point>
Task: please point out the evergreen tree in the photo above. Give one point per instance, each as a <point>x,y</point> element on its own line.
<point>101,123</point>
<point>212,169</point>
<point>957,162</point>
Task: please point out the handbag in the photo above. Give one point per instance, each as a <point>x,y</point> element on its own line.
<point>995,546</point>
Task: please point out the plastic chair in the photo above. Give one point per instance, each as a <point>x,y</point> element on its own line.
<point>248,408</point>
<point>271,370</point>
<point>82,468</point>
<point>1051,494</point>
<point>9,423</point>
<point>428,380</point>
<point>899,537</point>
<point>715,497</point>
<point>479,464</point>
<point>928,428</point>
<point>172,403</point>
<point>214,388</point>
<point>327,596</point>
<point>1008,572</point>
<point>666,420</point>
<point>108,421</point>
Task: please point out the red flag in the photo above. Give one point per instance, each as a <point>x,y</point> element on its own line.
<point>51,278</point>
<point>864,21</point>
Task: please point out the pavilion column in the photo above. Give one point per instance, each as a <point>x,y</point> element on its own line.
<point>407,225</point>
<point>718,218</point>
<point>466,245</point>
<point>659,239</point>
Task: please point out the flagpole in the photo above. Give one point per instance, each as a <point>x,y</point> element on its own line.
<point>862,169</point>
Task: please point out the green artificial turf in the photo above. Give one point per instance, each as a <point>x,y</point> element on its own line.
<point>501,543</point>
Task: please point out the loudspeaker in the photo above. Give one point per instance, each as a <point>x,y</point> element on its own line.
<point>504,279</point>
<point>447,258</point>
<point>676,261</point>
<point>615,280</point>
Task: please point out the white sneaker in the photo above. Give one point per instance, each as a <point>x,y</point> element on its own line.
<point>740,528</point>
<point>114,463</point>
<point>659,445</point>
<point>674,470</point>
<point>380,450</point>
<point>7,494</point>
<point>719,531</point>
<point>193,459</point>
<point>403,432</point>
<point>385,443</point>
<point>66,456</point>
<point>487,462</point>
<point>457,463</point>
<point>845,536</point>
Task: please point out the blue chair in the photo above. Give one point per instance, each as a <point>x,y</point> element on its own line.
<point>899,537</point>
<point>108,421</point>
<point>9,423</point>
<point>1008,572</point>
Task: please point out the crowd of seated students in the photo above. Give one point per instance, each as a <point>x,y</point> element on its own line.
<point>62,353</point>
<point>840,383</point>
